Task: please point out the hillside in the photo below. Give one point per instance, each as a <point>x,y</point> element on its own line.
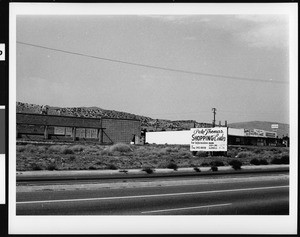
<point>94,112</point>
<point>147,123</point>
<point>283,129</point>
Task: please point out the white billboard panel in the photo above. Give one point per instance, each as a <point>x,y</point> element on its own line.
<point>169,137</point>
<point>209,139</point>
<point>274,126</point>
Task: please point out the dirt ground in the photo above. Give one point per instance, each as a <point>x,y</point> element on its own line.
<point>40,156</point>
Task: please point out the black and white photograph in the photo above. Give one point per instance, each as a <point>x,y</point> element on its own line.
<point>153,118</point>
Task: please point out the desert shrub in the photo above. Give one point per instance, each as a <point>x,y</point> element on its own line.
<point>214,168</point>
<point>163,151</point>
<point>123,171</point>
<point>90,150</point>
<point>255,161</point>
<point>204,164</point>
<point>201,154</point>
<point>99,163</point>
<point>185,154</point>
<point>31,148</point>
<point>216,163</point>
<point>77,148</point>
<point>67,151</point>
<point>148,170</point>
<point>51,166</point>
<point>21,148</point>
<point>232,153</point>
<point>92,167</point>
<point>120,147</point>
<point>42,148</point>
<point>263,162</point>
<point>36,166</point>
<point>72,158</point>
<point>276,161</point>
<point>257,151</point>
<point>167,149</point>
<point>111,167</point>
<point>285,159</point>
<point>235,164</point>
<point>275,150</point>
<point>172,165</point>
<point>197,169</point>
<point>245,154</point>
<point>57,148</point>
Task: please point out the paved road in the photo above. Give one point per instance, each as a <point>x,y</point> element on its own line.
<point>222,195</point>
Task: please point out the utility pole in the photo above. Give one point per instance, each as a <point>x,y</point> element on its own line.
<point>214,112</point>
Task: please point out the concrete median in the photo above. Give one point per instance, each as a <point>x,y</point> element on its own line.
<point>139,173</point>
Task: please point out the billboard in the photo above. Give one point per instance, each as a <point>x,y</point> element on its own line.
<point>254,132</point>
<point>209,139</point>
<point>274,126</point>
<point>271,134</point>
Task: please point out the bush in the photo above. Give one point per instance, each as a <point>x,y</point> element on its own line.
<point>77,148</point>
<point>31,148</point>
<point>197,169</point>
<point>276,161</point>
<point>263,162</point>
<point>57,148</point>
<point>244,154</point>
<point>235,164</point>
<point>120,147</point>
<point>201,154</point>
<point>124,171</point>
<point>52,166</point>
<point>255,161</point>
<point>111,167</point>
<point>21,148</point>
<point>67,151</point>
<point>185,154</point>
<point>204,164</point>
<point>172,165</point>
<point>285,159</point>
<point>216,163</point>
<point>36,166</point>
<point>148,170</point>
<point>232,152</point>
<point>92,168</point>
<point>214,168</point>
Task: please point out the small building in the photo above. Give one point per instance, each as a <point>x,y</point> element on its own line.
<point>103,130</point>
<point>236,136</point>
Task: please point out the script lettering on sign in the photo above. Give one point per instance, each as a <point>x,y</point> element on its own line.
<point>208,139</point>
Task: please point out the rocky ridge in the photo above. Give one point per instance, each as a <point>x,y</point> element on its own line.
<point>94,112</point>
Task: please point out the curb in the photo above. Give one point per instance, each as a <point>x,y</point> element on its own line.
<point>131,174</point>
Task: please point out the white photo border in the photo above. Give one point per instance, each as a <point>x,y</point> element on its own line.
<point>154,224</point>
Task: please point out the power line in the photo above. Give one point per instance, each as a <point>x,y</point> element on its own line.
<point>155,67</point>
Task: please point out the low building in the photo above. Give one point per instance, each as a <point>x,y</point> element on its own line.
<point>236,136</point>
<point>104,130</point>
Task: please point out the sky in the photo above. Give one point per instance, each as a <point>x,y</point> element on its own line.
<point>238,64</point>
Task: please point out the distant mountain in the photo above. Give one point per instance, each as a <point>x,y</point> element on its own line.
<point>283,129</point>
<point>147,123</point>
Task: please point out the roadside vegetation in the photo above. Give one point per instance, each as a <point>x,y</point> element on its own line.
<point>145,157</point>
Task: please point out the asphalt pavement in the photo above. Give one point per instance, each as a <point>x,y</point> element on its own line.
<point>248,194</point>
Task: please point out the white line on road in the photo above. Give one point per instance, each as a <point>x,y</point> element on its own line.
<point>151,195</point>
<point>188,208</point>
